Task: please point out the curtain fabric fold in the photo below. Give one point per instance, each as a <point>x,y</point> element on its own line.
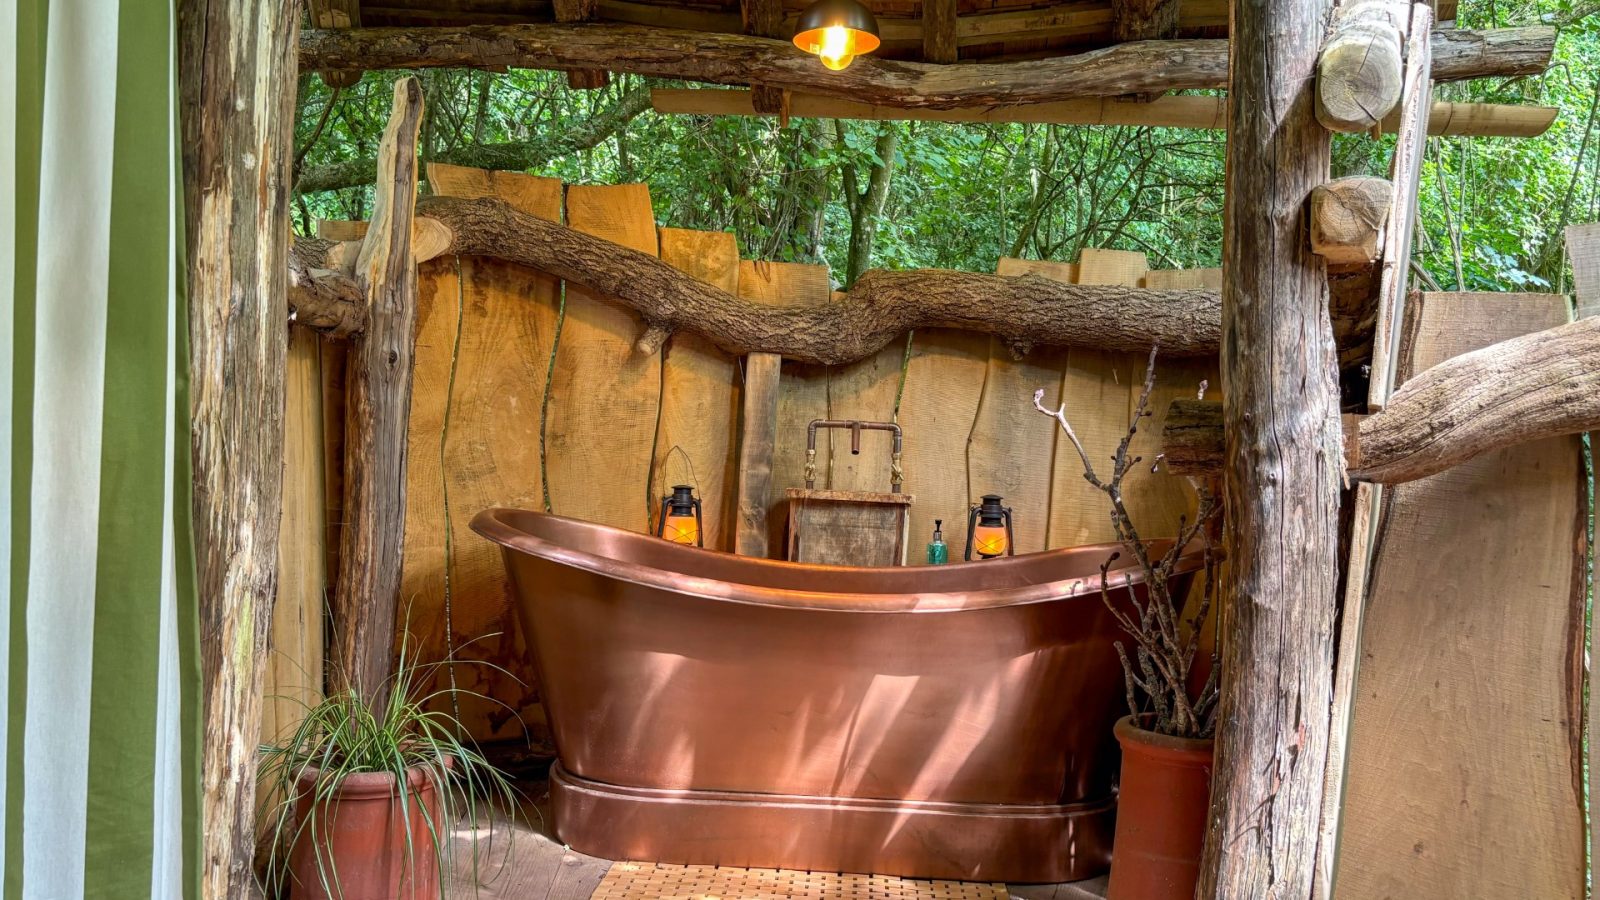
<point>101,675</point>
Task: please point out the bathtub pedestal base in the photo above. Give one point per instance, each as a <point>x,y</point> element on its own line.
<point>916,839</point>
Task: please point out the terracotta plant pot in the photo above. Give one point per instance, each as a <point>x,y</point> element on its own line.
<point>356,849</point>
<point>1161,814</point>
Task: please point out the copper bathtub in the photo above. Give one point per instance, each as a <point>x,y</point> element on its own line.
<point>715,709</point>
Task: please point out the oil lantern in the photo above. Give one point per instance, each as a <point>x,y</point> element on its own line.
<point>989,529</point>
<point>679,521</point>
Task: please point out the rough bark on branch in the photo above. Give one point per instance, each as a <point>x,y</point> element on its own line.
<point>1541,385</point>
<point>1140,67</point>
<point>1023,311</point>
<point>1029,310</point>
<point>515,156</point>
<point>378,408</point>
<point>236,81</point>
<point>320,297</point>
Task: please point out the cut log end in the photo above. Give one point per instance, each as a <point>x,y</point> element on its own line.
<point>1347,218</point>
<point>651,341</point>
<point>1359,79</point>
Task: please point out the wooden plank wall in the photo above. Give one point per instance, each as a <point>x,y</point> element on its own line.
<point>619,428</point>
<point>485,330</point>
<point>1464,770</point>
<point>294,671</point>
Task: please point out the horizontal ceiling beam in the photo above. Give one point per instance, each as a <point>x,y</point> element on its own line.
<point>1177,111</point>
<point>1139,67</point>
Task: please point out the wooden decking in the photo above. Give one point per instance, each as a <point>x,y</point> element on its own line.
<point>520,860</point>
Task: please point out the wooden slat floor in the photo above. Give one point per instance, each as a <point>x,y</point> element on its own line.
<point>521,861</point>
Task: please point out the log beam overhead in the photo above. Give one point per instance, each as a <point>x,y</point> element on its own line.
<point>1172,111</point>
<point>1138,67</point>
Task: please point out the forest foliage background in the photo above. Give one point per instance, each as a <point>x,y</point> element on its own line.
<point>859,195</point>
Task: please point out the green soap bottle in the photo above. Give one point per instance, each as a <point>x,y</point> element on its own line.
<point>938,552</point>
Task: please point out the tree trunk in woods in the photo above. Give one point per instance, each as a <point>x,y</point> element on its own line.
<point>1141,67</point>
<point>379,406</point>
<point>236,76</point>
<point>866,204</point>
<point>1284,471</point>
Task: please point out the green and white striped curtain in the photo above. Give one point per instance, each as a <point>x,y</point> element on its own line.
<point>101,675</point>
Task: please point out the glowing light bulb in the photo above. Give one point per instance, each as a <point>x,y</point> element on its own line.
<point>838,47</point>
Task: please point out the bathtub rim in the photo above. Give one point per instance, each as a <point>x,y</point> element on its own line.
<point>492,525</point>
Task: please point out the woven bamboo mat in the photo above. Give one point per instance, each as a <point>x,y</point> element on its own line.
<point>654,881</point>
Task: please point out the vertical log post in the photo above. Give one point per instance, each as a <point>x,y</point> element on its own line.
<point>581,11</point>
<point>764,18</point>
<point>378,406</point>
<point>236,73</point>
<point>1283,465</point>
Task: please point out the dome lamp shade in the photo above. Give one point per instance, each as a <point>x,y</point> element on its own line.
<point>837,31</point>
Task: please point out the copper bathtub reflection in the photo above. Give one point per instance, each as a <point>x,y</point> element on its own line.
<point>940,722</point>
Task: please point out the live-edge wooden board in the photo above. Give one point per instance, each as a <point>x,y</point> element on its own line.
<point>803,389</point>
<point>606,399</point>
<point>700,394</point>
<point>294,672</point>
<point>943,387</point>
<point>1464,773</point>
<point>474,444</point>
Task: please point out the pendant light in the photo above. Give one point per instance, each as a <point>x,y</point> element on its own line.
<point>837,31</point>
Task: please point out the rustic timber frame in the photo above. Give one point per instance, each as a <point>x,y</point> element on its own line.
<point>1270,321</point>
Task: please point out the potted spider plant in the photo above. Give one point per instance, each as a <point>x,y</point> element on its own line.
<point>1171,689</point>
<point>370,789</point>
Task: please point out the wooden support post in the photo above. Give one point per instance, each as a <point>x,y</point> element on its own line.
<point>581,11</point>
<point>1143,20</point>
<point>1406,176</point>
<point>379,378</point>
<point>1283,473</point>
<point>1583,249</point>
<point>939,31</point>
<point>236,177</point>
<point>764,18</point>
